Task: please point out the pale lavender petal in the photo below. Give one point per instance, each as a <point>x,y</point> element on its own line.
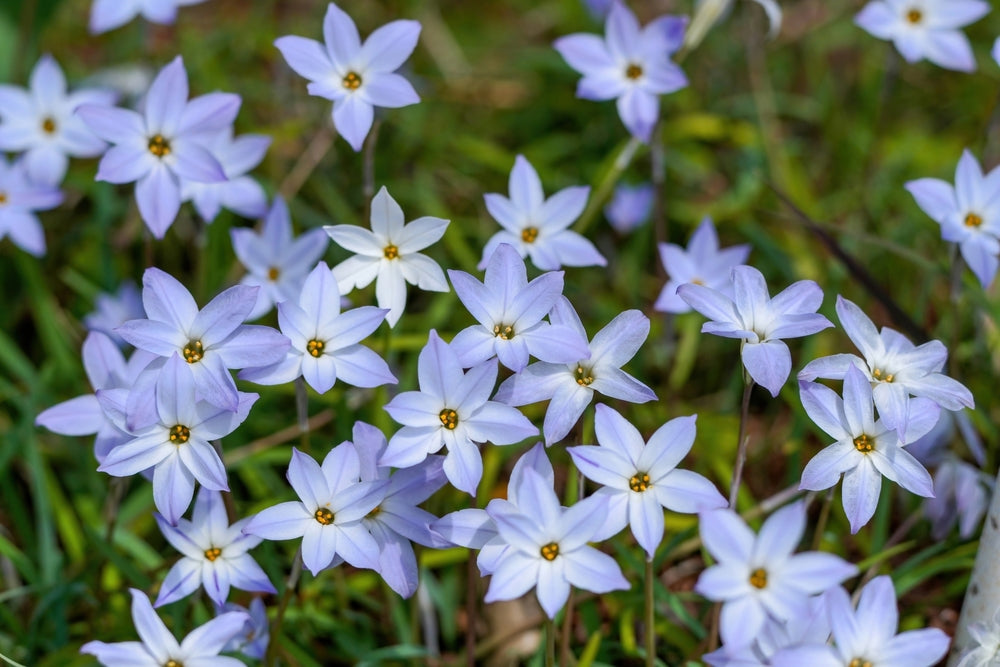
<point>768,363</point>
<point>306,56</point>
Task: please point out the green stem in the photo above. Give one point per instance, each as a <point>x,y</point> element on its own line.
<point>741,445</point>
<point>650,619</point>
<point>290,584</point>
<point>471,579</point>
<point>550,643</point>
<point>302,410</point>
<point>824,516</point>
<point>607,184</point>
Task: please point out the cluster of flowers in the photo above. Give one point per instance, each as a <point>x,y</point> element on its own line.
<point>162,411</point>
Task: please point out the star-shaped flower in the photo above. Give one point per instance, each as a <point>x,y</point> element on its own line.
<point>569,388</point>
<point>388,255</point>
<point>325,342</point>
<point>113,310</point>
<point>969,213</point>
<point>538,227</point>
<point>110,14</point>
<point>758,576</point>
<point>510,311</point>
<point>214,554</point>
<point>760,321</point>
<point>238,193</point>
<point>630,206</point>
<point>451,409</point>
<point>631,64</point>
<point>640,479</point>
<point>356,76</point>
<point>19,199</point>
<point>158,647</point>
<point>866,450</point>
<point>702,263</point>
<point>40,122</point>
<point>896,367</point>
<point>275,261</point>
<point>926,28</point>
<point>163,145</point>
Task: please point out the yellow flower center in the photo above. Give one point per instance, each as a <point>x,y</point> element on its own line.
<point>758,578</point>
<point>390,251</point>
<point>173,663</point>
<point>633,71</point>
<point>273,273</point>
<point>159,146</point>
<point>584,376</point>
<point>193,351</point>
<point>860,662</point>
<point>882,376</point>
<point>973,220</point>
<point>913,16</point>
<point>315,347</point>
<point>449,419</point>
<point>529,234</point>
<point>179,434</point>
<point>639,482</point>
<point>550,551</point>
<point>864,444</point>
<point>503,331</point>
<point>3,198</point>
<point>49,125</point>
<point>374,513</point>
<point>213,553</point>
<point>352,81</point>
<point>323,515</point>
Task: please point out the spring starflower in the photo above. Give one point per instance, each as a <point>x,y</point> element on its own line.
<point>40,122</point>
<point>388,255</point>
<point>630,207</point>
<point>631,64</point>
<point>356,76</point>
<point>110,14</point>
<point>19,199</point>
<point>111,310</point>
<point>238,193</point>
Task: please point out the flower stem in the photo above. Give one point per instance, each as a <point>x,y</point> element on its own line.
<point>368,186</point>
<point>286,595</point>
<point>302,410</point>
<point>607,184</point>
<point>471,579</point>
<point>741,445</point>
<point>650,619</point>
<point>824,515</point>
<point>550,643</point>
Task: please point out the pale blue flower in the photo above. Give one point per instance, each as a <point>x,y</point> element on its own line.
<point>113,310</point>
<point>275,261</point>
<point>630,206</point>
<point>866,450</point>
<point>547,547</point>
<point>328,515</point>
<point>252,640</point>
<point>639,479</point>
<point>757,576</point>
<point>509,310</point>
<point>110,14</point>
<point>760,321</point>
<point>40,122</point>
<point>538,227</point>
<point>968,212</point>
<point>631,64</point>
<point>453,410</point>
<point>356,76</point>
<point>162,145</point>
<point>569,388</point>
<point>325,342</point>
<point>19,199</point>
<point>702,263</point>
<point>962,493</point>
<point>214,554</point>
<point>201,647</point>
<point>238,193</point>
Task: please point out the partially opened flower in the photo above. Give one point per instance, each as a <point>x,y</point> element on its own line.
<point>961,495</point>
<point>110,14</point>
<point>760,321</point>
<point>538,227</point>
<point>631,64</point>
<point>253,639</point>
<point>356,76</point>
<point>158,647</point>
<point>238,193</point>
<point>388,255</point>
<point>926,28</point>
<point>40,122</point>
<point>162,145</point>
<point>630,206</point>
<point>113,310</point>
<point>19,199</point>
<point>709,12</point>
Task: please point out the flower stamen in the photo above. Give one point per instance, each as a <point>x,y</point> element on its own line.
<point>179,434</point>
<point>315,347</point>
<point>323,515</point>
<point>159,146</point>
<point>503,331</point>
<point>864,444</point>
<point>758,578</point>
<point>550,551</point>
<point>273,273</point>
<point>3,198</point>
<point>529,234</point>
<point>882,376</point>
<point>973,220</point>
<point>173,663</point>
<point>213,553</point>
<point>640,482</point>
<point>859,662</point>
<point>352,81</point>
<point>584,376</point>
<point>449,419</point>
<point>390,252</point>
<point>193,351</point>
<point>914,16</point>
<point>633,71</point>
<point>49,125</point>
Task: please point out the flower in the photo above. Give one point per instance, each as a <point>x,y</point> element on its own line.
<point>760,321</point>
<point>40,122</point>
<point>961,495</point>
<point>926,28</point>
<point>896,367</point>
<point>969,213</point>
<point>640,479</point>
<point>630,206</point>
<point>333,501</point>
<point>210,340</point>
<point>757,576</point>
<point>214,554</point>
<point>110,14</point>
<point>325,341</point>
<point>356,76</point>
<point>238,193</point>
<point>987,636</point>
<point>702,263</point>
<point>570,387</point>
<point>19,199</point>
<point>538,227</point>
<point>276,262</point>
<point>510,311</point>
<point>547,547</point>
<point>452,408</point>
<point>252,640</point>
<point>866,450</point>
<point>158,647</point>
<point>388,255</point>
<point>708,12</point>
<point>630,64</point>
<point>163,145</point>
<point>113,310</point>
